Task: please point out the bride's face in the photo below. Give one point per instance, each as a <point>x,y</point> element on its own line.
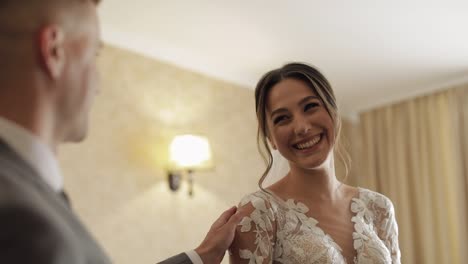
<point>299,125</point>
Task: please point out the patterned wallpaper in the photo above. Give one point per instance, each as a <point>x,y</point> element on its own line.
<point>116,178</point>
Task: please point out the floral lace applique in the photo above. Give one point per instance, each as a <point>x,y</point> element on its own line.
<point>283,233</point>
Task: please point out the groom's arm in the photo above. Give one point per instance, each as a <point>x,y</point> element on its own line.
<point>215,244</point>
<point>178,259</point>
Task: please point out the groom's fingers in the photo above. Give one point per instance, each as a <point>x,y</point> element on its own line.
<point>234,221</point>
<point>224,218</point>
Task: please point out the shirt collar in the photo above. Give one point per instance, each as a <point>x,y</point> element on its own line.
<point>30,148</point>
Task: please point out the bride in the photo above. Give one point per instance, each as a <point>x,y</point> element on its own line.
<point>309,216</point>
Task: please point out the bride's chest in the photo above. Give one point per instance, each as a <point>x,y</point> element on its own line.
<point>303,239</point>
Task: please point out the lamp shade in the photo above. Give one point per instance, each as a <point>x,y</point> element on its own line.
<point>190,152</point>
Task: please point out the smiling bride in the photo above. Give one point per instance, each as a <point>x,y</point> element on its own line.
<point>309,216</point>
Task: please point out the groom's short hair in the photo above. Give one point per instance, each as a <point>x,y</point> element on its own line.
<point>20,20</point>
<point>30,14</point>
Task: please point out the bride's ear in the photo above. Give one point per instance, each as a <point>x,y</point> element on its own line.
<point>272,144</point>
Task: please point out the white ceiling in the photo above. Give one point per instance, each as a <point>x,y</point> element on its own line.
<point>374,52</point>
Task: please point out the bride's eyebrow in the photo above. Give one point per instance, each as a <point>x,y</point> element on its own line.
<point>302,101</point>
<point>307,98</point>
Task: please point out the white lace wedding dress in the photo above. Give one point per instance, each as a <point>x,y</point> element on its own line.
<point>281,231</point>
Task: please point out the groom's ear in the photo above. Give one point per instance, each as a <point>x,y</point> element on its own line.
<point>52,50</point>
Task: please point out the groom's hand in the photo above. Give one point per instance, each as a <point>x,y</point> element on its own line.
<point>219,237</point>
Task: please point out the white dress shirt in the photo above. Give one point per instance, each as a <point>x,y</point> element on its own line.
<point>32,150</point>
<point>194,257</point>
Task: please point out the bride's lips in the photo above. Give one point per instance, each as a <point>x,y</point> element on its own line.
<point>310,144</point>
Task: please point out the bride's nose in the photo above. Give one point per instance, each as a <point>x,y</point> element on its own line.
<point>301,126</point>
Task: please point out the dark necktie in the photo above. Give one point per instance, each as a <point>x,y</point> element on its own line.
<point>65,198</point>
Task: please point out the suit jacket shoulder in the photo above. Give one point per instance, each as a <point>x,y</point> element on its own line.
<point>36,225</point>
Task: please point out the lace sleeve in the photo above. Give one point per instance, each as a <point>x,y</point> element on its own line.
<point>254,240</point>
<point>388,230</point>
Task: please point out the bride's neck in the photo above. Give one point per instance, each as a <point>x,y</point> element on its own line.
<point>319,184</point>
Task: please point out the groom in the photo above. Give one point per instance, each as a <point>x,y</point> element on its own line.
<point>48,79</point>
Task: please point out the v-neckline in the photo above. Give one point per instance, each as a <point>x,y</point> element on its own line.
<point>358,196</point>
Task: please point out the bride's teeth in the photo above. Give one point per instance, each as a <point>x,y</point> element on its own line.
<point>310,143</point>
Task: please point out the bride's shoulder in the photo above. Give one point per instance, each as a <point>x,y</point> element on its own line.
<point>257,196</point>
<point>375,199</point>
<point>260,201</point>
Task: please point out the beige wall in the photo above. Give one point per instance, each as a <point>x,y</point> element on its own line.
<point>115,178</point>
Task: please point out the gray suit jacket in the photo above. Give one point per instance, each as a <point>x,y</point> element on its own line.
<point>179,259</point>
<point>37,225</point>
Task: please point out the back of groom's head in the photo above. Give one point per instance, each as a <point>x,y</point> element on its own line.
<point>27,14</point>
<point>48,50</point>
<point>20,20</point>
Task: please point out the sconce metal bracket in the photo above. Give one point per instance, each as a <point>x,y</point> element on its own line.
<point>174,179</point>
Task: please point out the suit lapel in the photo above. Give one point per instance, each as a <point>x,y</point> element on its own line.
<point>11,161</point>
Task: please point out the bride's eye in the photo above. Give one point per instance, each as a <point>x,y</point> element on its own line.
<point>310,106</point>
<point>279,119</point>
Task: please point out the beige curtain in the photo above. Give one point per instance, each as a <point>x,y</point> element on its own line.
<point>416,153</point>
<point>460,96</point>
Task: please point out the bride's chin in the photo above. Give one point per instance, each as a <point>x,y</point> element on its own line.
<point>323,163</point>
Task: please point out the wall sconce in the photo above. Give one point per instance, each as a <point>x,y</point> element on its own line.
<point>187,153</point>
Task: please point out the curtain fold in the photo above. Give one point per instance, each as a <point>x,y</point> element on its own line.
<point>415,152</point>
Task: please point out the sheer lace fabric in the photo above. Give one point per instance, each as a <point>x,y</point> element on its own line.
<point>278,231</point>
